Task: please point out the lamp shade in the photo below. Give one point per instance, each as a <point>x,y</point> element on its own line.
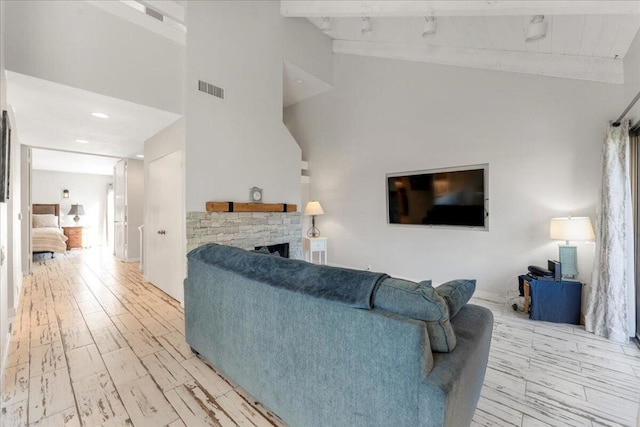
<point>76,210</point>
<point>313,208</point>
<point>571,228</point>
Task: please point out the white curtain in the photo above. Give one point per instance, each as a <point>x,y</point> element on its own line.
<point>609,306</point>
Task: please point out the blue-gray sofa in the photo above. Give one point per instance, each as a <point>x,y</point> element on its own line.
<point>319,358</point>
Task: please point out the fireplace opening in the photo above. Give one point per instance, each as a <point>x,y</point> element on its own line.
<point>281,248</point>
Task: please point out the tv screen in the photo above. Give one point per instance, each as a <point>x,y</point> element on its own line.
<point>444,197</point>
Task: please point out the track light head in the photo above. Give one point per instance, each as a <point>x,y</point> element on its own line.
<point>366,25</point>
<point>326,24</point>
<point>429,26</point>
<point>537,29</point>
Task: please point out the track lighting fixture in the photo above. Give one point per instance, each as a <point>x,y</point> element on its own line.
<point>326,24</point>
<point>537,29</point>
<point>429,26</point>
<point>366,25</point>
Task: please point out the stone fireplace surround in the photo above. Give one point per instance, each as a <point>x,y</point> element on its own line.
<point>246,229</point>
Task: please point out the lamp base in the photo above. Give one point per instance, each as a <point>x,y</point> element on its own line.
<point>313,232</point>
<point>76,219</point>
<point>569,260</point>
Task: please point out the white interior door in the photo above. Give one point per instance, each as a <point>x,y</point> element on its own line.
<point>120,210</point>
<point>110,217</point>
<point>164,225</point>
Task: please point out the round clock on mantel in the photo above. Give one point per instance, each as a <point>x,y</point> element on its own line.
<point>255,195</point>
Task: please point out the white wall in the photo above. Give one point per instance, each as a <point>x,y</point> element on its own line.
<point>541,137</point>
<point>167,141</point>
<point>14,226</point>
<point>88,190</point>
<point>4,280</point>
<point>632,77</point>
<point>308,48</point>
<point>239,142</point>
<point>631,89</point>
<point>80,45</point>
<point>25,205</point>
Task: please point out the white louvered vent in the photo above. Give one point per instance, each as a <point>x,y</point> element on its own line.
<point>154,14</point>
<point>210,89</point>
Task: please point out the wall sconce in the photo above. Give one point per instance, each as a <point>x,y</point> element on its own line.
<point>65,194</point>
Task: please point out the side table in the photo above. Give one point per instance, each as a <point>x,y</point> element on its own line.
<point>74,236</point>
<point>552,301</point>
<point>312,245</point>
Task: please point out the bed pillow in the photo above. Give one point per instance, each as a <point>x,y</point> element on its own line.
<point>44,220</point>
<point>456,293</point>
<point>418,301</point>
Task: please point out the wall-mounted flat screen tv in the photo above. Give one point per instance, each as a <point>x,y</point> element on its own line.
<point>450,197</point>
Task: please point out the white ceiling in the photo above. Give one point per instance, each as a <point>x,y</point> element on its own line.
<point>299,85</point>
<point>604,36</point>
<point>585,39</point>
<point>54,116</point>
<point>62,161</point>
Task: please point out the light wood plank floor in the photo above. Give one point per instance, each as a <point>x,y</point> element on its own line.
<point>93,344</point>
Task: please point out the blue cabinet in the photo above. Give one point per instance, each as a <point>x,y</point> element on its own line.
<point>557,302</point>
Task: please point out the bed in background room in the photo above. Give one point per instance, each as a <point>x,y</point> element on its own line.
<point>46,234</point>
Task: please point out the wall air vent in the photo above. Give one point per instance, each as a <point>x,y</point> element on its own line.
<point>210,89</point>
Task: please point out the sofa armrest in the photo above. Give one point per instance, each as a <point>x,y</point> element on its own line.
<point>453,386</point>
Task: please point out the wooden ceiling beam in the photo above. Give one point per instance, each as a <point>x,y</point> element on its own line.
<point>404,8</point>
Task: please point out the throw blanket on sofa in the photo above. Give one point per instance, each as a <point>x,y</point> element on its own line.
<point>350,287</point>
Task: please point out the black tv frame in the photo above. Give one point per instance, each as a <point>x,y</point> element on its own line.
<point>483,166</point>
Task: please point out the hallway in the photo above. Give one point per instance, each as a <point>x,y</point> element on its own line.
<point>94,344</point>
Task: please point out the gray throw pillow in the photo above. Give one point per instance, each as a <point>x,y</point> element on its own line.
<point>418,301</point>
<point>456,293</point>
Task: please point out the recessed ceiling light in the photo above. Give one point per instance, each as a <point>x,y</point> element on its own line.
<point>366,25</point>
<point>140,155</point>
<point>100,115</point>
<point>82,141</point>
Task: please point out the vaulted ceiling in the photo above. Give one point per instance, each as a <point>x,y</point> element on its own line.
<point>584,39</point>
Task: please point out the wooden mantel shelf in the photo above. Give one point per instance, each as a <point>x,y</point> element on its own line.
<point>250,207</point>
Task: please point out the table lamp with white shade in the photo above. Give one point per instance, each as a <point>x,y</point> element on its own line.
<point>577,228</point>
<point>312,209</point>
<point>76,210</point>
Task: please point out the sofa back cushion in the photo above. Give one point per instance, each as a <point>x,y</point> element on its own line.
<point>418,301</point>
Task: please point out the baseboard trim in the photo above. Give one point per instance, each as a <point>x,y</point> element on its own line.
<point>489,296</point>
